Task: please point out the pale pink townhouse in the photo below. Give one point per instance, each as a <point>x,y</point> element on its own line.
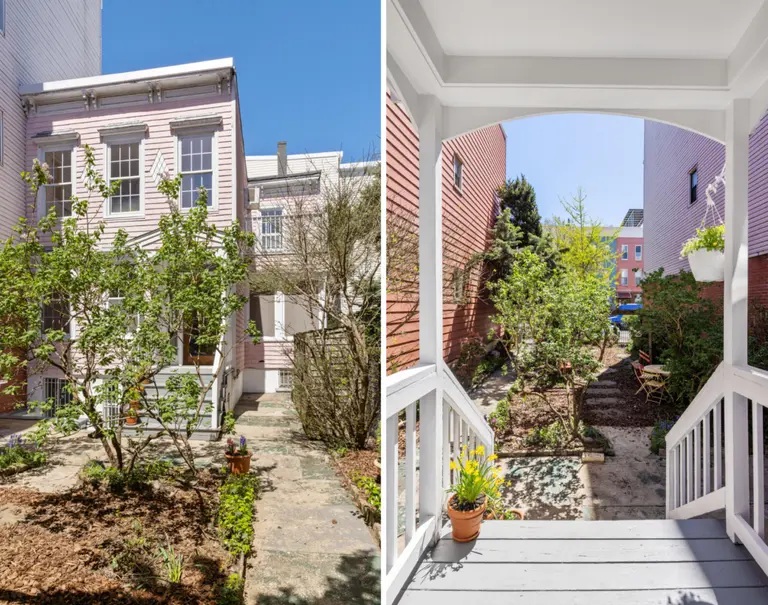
<point>182,119</point>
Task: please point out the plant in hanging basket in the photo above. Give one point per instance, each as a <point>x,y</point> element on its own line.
<point>476,481</point>
<point>706,253</point>
<point>238,456</point>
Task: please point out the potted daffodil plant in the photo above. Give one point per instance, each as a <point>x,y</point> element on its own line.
<point>476,480</point>
<point>706,253</point>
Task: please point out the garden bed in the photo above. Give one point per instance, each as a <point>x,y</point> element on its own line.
<point>361,476</point>
<point>92,545</point>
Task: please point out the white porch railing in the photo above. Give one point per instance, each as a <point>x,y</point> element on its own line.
<point>708,456</point>
<point>444,409</point>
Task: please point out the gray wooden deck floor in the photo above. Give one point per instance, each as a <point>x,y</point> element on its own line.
<point>590,563</point>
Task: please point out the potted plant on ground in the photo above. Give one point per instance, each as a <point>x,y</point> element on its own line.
<point>475,476</point>
<point>238,457</point>
<point>706,253</point>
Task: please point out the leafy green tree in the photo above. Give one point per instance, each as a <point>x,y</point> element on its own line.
<point>549,319</point>
<point>517,195</point>
<point>580,239</point>
<point>115,313</point>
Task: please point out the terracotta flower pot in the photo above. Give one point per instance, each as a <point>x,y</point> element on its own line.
<point>491,516</point>
<point>133,413</point>
<point>465,526</point>
<point>237,464</point>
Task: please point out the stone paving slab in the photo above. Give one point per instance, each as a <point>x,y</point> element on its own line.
<point>602,392</point>
<point>310,544</point>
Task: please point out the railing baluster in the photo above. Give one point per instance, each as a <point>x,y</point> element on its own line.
<point>683,482</point>
<point>465,434</point>
<point>707,455</point>
<point>689,467</point>
<point>446,446</point>
<point>718,437</point>
<point>456,440</point>
<point>676,490</point>
<point>696,461</point>
<point>390,482</point>
<point>410,471</point>
<point>758,479</point>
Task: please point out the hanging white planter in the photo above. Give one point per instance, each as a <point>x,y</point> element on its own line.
<point>707,265</point>
<point>706,251</point>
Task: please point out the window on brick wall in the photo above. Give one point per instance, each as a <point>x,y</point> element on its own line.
<point>638,252</point>
<point>624,252</point>
<point>624,277</point>
<point>693,184</point>
<point>458,172</point>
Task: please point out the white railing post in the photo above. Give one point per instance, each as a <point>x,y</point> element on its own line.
<point>429,125</point>
<point>735,310</point>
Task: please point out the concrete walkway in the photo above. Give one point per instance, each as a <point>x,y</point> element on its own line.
<point>310,545</point>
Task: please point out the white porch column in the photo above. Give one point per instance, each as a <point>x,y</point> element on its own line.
<point>735,310</point>
<point>430,302</point>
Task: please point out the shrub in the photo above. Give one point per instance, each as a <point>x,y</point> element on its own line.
<point>551,436</point>
<point>685,329</point>
<point>658,434</point>
<point>235,517</point>
<point>499,418</point>
<point>370,487</point>
<point>117,481</point>
<point>232,591</point>
<point>471,354</point>
<point>21,451</point>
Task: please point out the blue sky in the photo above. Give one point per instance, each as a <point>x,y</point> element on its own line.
<point>602,154</point>
<point>308,72</point>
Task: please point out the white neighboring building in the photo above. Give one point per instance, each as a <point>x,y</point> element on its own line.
<point>274,182</point>
<point>40,41</point>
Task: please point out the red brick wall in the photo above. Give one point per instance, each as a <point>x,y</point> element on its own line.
<point>7,402</point>
<point>468,217</point>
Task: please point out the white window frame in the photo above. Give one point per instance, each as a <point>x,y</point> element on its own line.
<point>119,300</point>
<point>260,234</point>
<point>124,140</point>
<point>42,202</point>
<point>638,255</point>
<point>284,379</point>
<point>624,279</point>
<point>185,133</point>
<point>69,332</point>
<point>624,251</point>
<point>639,276</point>
<point>458,172</point>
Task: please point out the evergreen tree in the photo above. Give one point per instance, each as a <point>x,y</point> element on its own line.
<point>518,196</point>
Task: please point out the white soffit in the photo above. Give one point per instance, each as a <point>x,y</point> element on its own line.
<point>685,29</point>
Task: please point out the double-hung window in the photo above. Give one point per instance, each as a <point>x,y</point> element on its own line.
<point>124,165</point>
<point>624,277</point>
<point>56,315</point>
<point>624,252</point>
<point>58,192</point>
<point>196,168</point>
<point>638,252</point>
<point>115,300</point>
<point>272,229</point>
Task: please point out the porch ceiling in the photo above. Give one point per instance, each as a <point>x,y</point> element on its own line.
<point>680,61</point>
<point>693,29</point>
